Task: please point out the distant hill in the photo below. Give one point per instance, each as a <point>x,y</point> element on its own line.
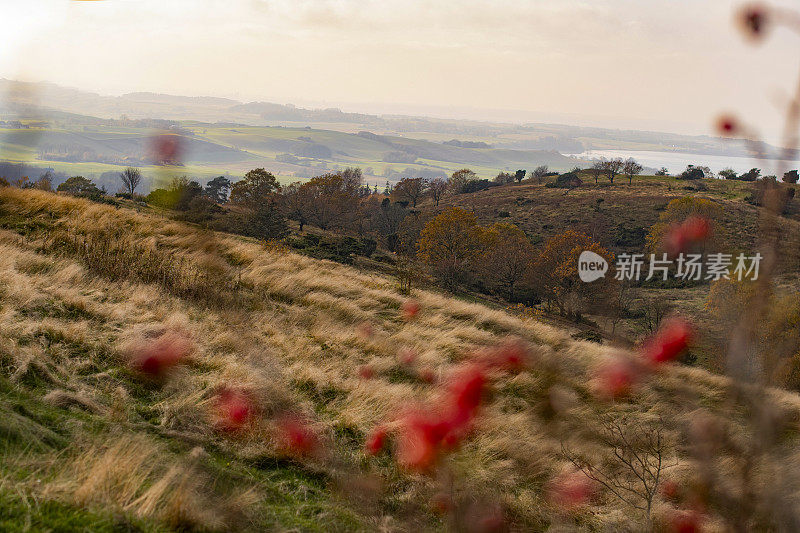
<point>31,98</point>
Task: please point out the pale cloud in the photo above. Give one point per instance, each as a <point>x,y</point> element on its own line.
<point>666,61</point>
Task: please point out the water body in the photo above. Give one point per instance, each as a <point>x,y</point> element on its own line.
<point>676,162</point>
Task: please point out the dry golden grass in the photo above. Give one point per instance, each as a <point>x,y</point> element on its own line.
<point>290,330</point>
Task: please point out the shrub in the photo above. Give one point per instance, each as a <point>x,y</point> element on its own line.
<point>81,187</point>
<point>692,173</point>
<point>476,185</point>
<point>568,180</point>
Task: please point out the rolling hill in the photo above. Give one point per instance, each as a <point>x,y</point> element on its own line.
<point>88,440</point>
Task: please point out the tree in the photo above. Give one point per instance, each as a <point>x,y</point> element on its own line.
<point>663,171</point>
<point>186,192</point>
<point>459,179</point>
<point>554,274</point>
<point>652,312</point>
<point>790,177</point>
<point>292,202</point>
<point>130,177</point>
<point>613,167</point>
<point>519,175</point>
<point>508,255</point>
<point>80,186</point>
<point>331,200</point>
<point>450,244</point>
<point>266,222</point>
<point>728,174</point>
<point>676,212</point>
<point>437,187</point>
<point>597,169</point>
<point>44,183</point>
<point>217,189</point>
<point>387,220</point>
<point>540,172</point>
<point>631,168</point>
<point>633,470</point>
<point>256,186</point>
<point>410,190</point>
<point>751,175</point>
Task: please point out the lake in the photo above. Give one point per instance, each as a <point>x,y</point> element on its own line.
<point>676,162</point>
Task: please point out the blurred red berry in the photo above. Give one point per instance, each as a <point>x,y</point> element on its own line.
<point>365,330</point>
<point>680,237</point>
<point>467,387</point>
<point>727,125</point>
<point>616,379</point>
<point>672,339</point>
<point>669,490</point>
<point>410,309</point>
<point>753,20</point>
<point>683,521</point>
<point>570,490</point>
<point>427,375</point>
<point>157,357</point>
<point>407,356</point>
<point>366,372</point>
<point>488,520</point>
<point>376,440</point>
<point>234,409</point>
<point>167,148</point>
<point>697,228</point>
<point>297,437</point>
<point>441,503</point>
<point>512,356</point>
<point>418,441</point>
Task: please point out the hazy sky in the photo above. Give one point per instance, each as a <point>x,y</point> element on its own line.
<point>660,64</point>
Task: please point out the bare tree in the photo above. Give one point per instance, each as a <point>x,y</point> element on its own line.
<point>638,459</point>
<point>437,187</point>
<point>620,304</point>
<point>540,172</point>
<point>130,179</point>
<point>631,168</point>
<point>613,167</point>
<point>597,169</point>
<point>653,311</point>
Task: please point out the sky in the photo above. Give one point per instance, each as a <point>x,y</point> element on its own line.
<point>669,65</point>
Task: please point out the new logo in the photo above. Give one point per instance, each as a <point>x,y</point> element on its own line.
<point>591,266</point>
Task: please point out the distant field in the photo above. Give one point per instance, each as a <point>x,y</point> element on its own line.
<point>291,153</point>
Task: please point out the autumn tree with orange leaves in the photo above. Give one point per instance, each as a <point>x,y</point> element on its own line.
<point>450,245</point>
<point>554,274</point>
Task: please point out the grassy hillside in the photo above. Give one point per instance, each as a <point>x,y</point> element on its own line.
<point>87,442</point>
<point>619,217</point>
